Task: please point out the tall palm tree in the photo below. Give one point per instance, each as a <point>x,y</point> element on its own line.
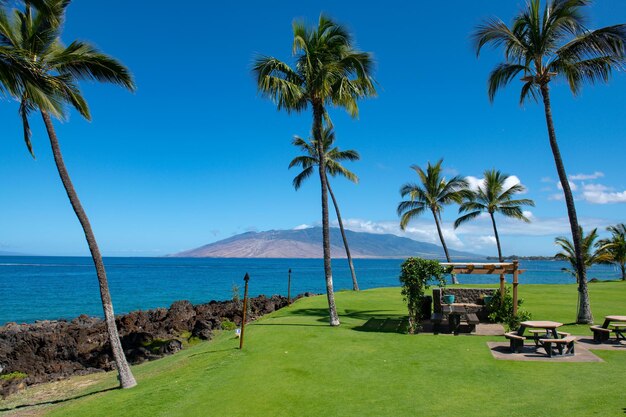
<point>36,36</point>
<point>616,246</point>
<point>593,252</point>
<point>543,45</point>
<point>333,157</point>
<point>492,197</point>
<point>432,194</point>
<point>328,71</point>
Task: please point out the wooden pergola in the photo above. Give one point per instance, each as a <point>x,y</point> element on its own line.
<point>496,268</point>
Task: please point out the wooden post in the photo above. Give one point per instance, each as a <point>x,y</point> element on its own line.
<point>501,289</point>
<point>515,275</point>
<point>245,307</point>
<point>289,288</point>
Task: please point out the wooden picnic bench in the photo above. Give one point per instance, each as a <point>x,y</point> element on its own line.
<point>516,341</point>
<point>565,343</point>
<point>600,334</point>
<point>470,318</point>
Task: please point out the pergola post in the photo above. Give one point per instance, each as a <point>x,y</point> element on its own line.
<point>515,283</point>
<point>501,289</point>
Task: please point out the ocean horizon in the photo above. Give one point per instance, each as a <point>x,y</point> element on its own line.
<point>50,288</point>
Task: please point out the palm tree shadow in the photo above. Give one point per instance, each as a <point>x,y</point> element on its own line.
<point>322,314</point>
<point>385,325</point>
<point>60,400</point>
<point>213,351</point>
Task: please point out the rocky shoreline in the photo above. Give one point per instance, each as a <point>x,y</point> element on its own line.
<point>51,350</point>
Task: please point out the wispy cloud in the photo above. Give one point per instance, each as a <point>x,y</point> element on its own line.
<point>475,183</point>
<point>302,227</point>
<point>572,185</point>
<point>585,177</point>
<point>601,194</point>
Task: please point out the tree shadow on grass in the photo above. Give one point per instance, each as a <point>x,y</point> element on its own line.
<point>60,400</point>
<point>213,351</point>
<point>375,320</point>
<point>385,325</point>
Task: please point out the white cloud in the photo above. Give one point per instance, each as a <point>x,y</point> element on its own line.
<point>477,236</point>
<point>302,227</point>
<point>475,183</point>
<point>600,194</point>
<point>422,229</point>
<point>572,185</point>
<point>547,180</point>
<point>583,177</point>
<point>487,240</point>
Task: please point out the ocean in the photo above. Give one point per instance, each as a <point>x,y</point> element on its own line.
<point>48,288</point>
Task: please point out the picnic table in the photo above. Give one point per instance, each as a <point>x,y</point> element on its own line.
<point>603,333</point>
<point>549,327</point>
<point>455,312</point>
<point>545,335</point>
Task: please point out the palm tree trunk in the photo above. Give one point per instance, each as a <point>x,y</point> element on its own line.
<point>623,272</point>
<point>126,378</point>
<point>443,243</point>
<point>584,307</point>
<point>355,284</point>
<point>318,112</point>
<point>495,231</point>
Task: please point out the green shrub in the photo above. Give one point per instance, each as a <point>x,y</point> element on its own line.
<point>502,311</point>
<point>236,295</point>
<point>228,325</point>
<point>416,276</point>
<point>13,375</point>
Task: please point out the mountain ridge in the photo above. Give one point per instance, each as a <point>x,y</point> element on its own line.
<point>306,243</point>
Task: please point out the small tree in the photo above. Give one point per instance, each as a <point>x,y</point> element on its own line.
<point>416,276</point>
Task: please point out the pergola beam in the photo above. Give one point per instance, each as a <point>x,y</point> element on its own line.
<point>495,268</point>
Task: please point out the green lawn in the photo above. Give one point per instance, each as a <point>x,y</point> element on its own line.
<point>294,364</point>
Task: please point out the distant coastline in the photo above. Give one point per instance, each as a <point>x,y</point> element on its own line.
<point>522,258</point>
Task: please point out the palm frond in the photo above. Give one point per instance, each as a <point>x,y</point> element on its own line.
<point>466,218</point>
<point>85,62</point>
<point>501,76</point>
<point>301,177</point>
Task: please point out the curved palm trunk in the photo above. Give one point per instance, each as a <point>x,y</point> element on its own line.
<point>623,272</point>
<point>584,307</point>
<point>495,231</point>
<point>318,112</point>
<point>126,378</point>
<point>443,243</point>
<point>355,284</point>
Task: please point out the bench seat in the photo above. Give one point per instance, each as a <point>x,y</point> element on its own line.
<point>472,318</point>
<point>565,343</point>
<point>516,341</point>
<point>600,334</point>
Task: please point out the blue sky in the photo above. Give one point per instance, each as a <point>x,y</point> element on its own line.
<point>196,155</point>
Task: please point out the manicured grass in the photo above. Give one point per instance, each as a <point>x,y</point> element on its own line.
<point>293,363</point>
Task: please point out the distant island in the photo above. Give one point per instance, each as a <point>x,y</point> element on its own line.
<point>307,243</point>
<point>522,258</point>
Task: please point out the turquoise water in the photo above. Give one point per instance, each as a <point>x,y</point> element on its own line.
<point>38,288</point>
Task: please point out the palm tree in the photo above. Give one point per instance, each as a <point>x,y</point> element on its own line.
<point>432,194</point>
<point>328,72</point>
<point>593,252</point>
<point>542,46</point>
<point>616,246</point>
<point>333,157</point>
<point>492,197</point>
<point>36,37</point>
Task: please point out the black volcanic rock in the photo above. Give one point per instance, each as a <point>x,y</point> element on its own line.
<point>307,243</point>
<point>50,350</point>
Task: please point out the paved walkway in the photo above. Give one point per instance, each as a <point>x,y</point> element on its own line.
<point>584,345</point>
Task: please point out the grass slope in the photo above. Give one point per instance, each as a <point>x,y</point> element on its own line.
<point>295,364</point>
